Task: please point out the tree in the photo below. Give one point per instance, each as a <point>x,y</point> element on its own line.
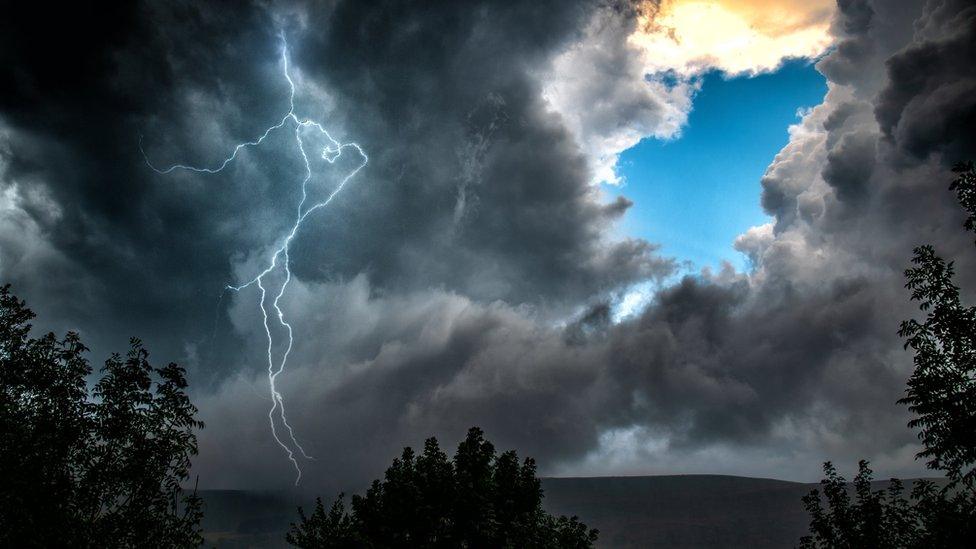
<point>874,518</point>
<point>942,393</point>
<point>932,516</point>
<point>99,466</point>
<point>942,389</point>
<point>478,499</point>
<point>965,187</point>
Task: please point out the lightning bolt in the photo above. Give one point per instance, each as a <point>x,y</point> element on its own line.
<point>279,258</point>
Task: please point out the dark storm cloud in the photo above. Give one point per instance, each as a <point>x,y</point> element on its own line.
<point>852,195</point>
<point>472,185</point>
<point>799,360</point>
<point>477,185</point>
<point>705,365</point>
<point>849,165</point>
<point>929,104</point>
<point>433,295</point>
<point>136,256</point>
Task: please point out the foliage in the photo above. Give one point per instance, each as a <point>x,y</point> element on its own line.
<point>965,187</point>
<point>941,393</point>
<point>942,389</point>
<point>882,519</point>
<point>91,468</point>
<point>478,499</point>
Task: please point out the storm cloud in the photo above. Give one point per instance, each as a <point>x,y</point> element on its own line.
<point>467,276</point>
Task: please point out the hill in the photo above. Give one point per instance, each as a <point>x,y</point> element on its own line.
<point>687,511</point>
<point>684,511</point>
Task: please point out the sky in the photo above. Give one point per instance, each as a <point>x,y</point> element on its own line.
<point>696,192</point>
<point>473,271</point>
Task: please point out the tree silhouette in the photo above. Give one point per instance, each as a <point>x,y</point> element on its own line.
<point>478,499</point>
<point>99,467</point>
<point>932,517</point>
<point>965,187</point>
<point>942,389</point>
<point>942,394</point>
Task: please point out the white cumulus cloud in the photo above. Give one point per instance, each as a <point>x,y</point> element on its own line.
<point>633,73</point>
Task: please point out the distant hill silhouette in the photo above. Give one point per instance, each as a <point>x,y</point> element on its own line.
<point>683,511</point>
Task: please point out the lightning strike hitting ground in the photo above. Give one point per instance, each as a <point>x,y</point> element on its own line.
<point>279,258</point>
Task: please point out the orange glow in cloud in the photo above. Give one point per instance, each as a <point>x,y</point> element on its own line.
<point>734,36</point>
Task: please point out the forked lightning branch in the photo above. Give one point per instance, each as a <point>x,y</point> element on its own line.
<point>279,260</point>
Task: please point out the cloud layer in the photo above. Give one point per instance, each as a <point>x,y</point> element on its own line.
<point>635,69</point>
<point>466,277</point>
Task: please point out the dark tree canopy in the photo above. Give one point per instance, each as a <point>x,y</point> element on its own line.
<point>965,187</point>
<point>91,467</point>
<point>941,393</point>
<point>859,516</point>
<point>478,499</point>
<point>942,389</point>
